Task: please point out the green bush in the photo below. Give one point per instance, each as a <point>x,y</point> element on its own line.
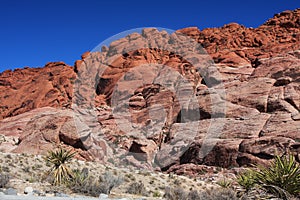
<point>156,194</point>
<point>224,183</point>
<point>281,178</point>
<point>247,179</point>
<point>284,172</point>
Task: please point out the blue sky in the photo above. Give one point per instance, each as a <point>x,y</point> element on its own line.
<point>34,32</point>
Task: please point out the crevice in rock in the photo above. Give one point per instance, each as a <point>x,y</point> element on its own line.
<point>210,81</point>
<point>166,168</point>
<point>278,105</point>
<point>264,156</point>
<point>282,81</point>
<point>261,108</point>
<point>192,115</point>
<point>191,155</point>
<point>100,89</point>
<point>292,103</point>
<point>77,145</point>
<point>255,63</point>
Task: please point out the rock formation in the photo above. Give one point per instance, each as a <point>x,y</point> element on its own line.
<point>154,99</point>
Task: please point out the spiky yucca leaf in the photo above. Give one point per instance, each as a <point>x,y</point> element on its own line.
<point>60,171</point>
<point>247,179</point>
<point>281,178</point>
<point>284,172</point>
<point>224,183</point>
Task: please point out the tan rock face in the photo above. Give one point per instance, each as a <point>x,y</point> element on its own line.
<point>131,105</point>
<point>44,129</point>
<point>37,131</point>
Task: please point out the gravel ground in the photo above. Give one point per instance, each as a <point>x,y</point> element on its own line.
<point>27,175</point>
<point>15,197</point>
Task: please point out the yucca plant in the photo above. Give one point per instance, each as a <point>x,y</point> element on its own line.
<point>247,179</point>
<point>59,170</point>
<point>224,183</point>
<point>281,177</point>
<point>284,173</point>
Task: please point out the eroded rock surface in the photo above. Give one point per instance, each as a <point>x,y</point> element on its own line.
<point>154,100</point>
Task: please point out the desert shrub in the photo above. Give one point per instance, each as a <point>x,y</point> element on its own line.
<point>83,183</point>
<point>175,193</point>
<point>90,186</point>
<point>59,171</point>
<point>247,179</point>
<point>224,183</point>
<point>130,177</point>
<point>281,178</point>
<point>156,194</point>
<point>4,179</point>
<point>219,194</point>
<point>193,195</point>
<point>216,194</point>
<point>78,179</point>
<point>137,188</point>
<point>109,181</point>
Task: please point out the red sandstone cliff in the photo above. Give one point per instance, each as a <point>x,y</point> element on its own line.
<point>260,72</point>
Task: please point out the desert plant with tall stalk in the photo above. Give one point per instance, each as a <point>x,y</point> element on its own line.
<point>59,170</point>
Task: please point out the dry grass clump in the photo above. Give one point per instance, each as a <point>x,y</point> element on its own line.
<point>137,188</point>
<point>83,183</point>
<point>216,194</point>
